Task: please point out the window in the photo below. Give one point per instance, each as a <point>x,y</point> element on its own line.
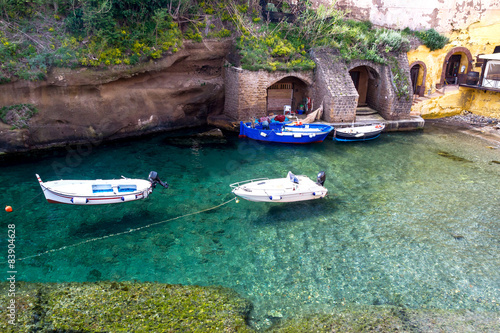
<point>492,74</point>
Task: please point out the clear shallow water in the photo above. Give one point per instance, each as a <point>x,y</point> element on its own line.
<point>403,225</point>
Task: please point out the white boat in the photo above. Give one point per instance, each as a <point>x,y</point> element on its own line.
<point>99,191</point>
<point>289,189</point>
<point>358,132</point>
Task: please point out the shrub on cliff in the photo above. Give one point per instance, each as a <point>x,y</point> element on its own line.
<point>18,115</point>
<point>36,36</point>
<point>431,38</point>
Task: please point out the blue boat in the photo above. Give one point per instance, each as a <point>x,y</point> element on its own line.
<point>285,132</point>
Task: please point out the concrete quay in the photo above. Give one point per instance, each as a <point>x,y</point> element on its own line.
<point>412,123</point>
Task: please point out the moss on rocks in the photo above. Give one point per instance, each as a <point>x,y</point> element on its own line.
<point>157,307</point>
<point>392,319</point>
<point>124,307</point>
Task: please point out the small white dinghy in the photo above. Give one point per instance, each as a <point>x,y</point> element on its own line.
<point>290,189</point>
<point>99,191</point>
<point>361,132</point>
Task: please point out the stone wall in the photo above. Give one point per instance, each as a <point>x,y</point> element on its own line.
<point>334,86</point>
<point>246,91</point>
<point>382,92</point>
<point>330,85</point>
<point>443,15</point>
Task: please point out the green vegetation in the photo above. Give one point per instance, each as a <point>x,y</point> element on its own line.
<point>431,38</point>
<point>399,79</point>
<point>17,115</point>
<point>35,36</point>
<point>285,45</point>
<point>38,35</point>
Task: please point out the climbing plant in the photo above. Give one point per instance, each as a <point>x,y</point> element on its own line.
<point>399,79</point>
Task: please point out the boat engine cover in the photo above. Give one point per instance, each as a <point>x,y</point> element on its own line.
<point>321,178</point>
<point>154,179</point>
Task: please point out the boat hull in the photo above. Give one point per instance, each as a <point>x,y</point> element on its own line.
<point>302,134</point>
<point>281,198</point>
<point>279,190</point>
<point>359,133</point>
<point>95,192</point>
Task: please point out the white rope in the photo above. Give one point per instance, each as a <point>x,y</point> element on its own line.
<point>124,232</point>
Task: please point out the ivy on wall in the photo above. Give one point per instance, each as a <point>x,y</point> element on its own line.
<point>399,79</point>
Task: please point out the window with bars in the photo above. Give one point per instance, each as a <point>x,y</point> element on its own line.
<point>282,86</point>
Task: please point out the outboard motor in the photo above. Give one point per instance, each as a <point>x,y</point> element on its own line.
<point>153,178</point>
<point>321,178</point>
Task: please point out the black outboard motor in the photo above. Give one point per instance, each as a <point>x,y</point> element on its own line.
<point>153,178</point>
<point>321,178</point>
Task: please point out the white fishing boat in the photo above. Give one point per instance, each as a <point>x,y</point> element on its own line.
<point>289,189</point>
<point>360,132</point>
<point>99,191</point>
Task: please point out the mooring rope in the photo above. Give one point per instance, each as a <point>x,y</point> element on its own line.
<point>124,232</point>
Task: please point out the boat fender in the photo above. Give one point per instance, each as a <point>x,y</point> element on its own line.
<point>129,197</point>
<point>263,134</point>
<point>274,197</point>
<point>79,201</point>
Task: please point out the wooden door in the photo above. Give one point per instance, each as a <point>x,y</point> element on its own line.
<point>452,69</point>
<point>414,78</point>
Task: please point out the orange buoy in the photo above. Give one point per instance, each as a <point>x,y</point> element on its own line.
<point>8,209</point>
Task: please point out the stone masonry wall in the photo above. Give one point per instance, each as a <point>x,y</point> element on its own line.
<point>334,87</point>
<point>402,105</point>
<point>246,91</point>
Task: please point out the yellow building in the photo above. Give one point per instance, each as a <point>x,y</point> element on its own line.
<point>439,77</point>
<point>463,76</point>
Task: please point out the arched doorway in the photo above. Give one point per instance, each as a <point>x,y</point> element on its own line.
<point>290,91</point>
<point>365,79</point>
<point>418,74</point>
<point>456,66</point>
<point>359,76</point>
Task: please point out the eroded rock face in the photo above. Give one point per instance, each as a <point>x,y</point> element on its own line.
<point>181,90</point>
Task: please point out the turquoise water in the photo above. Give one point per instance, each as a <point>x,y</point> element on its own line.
<point>402,225</point>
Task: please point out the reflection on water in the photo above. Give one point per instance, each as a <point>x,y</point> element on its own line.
<point>412,219</point>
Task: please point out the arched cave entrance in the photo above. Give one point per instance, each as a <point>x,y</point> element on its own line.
<point>418,74</point>
<point>457,64</point>
<point>287,91</point>
<point>365,80</point>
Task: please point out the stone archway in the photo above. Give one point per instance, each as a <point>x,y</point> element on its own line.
<point>365,79</point>
<point>457,64</point>
<point>418,76</point>
<point>246,91</point>
<point>289,90</point>
<point>359,76</point>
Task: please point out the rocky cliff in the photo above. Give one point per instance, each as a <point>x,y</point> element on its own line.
<point>83,105</point>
